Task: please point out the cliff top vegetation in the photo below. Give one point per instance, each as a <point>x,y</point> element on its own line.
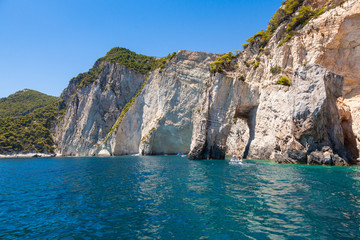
<point>222,62</point>
<point>295,14</point>
<point>133,61</point>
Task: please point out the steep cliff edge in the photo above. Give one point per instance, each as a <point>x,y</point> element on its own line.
<point>298,123</point>
<point>161,119</point>
<point>341,54</point>
<point>290,95</point>
<point>98,99</point>
<point>92,110</point>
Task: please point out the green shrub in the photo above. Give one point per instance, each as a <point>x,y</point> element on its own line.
<point>242,78</point>
<point>275,70</point>
<point>288,8</point>
<point>291,6</point>
<point>136,62</point>
<point>255,63</point>
<point>264,51</point>
<point>284,81</point>
<point>246,64</point>
<point>146,139</point>
<point>287,37</point>
<point>282,14</point>
<point>161,62</point>
<point>262,38</point>
<point>86,78</point>
<point>319,12</point>
<point>279,16</point>
<point>222,62</point>
<point>305,14</point>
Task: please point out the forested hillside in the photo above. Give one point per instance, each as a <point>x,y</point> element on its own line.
<point>26,120</point>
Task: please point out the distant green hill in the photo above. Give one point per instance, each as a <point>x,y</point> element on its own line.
<point>24,102</point>
<point>32,132</point>
<point>26,120</point>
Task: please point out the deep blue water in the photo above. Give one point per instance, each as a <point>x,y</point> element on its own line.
<point>169,197</point>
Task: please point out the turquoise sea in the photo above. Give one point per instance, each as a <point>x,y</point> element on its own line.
<point>169,197</point>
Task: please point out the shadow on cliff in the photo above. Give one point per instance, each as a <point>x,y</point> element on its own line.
<point>350,139</point>
<point>248,114</point>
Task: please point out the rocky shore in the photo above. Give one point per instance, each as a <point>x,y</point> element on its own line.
<point>27,155</point>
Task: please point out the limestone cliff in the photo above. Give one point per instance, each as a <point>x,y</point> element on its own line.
<point>312,118</point>
<point>93,109</point>
<point>300,123</point>
<point>161,119</point>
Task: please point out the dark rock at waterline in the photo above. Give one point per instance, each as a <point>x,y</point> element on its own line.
<point>325,158</point>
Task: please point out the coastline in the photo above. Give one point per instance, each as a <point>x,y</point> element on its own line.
<point>227,158</point>
<point>27,155</point>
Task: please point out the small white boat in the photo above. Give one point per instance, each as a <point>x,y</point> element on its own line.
<point>236,161</point>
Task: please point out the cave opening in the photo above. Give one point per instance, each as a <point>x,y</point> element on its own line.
<point>350,139</point>
<point>248,114</point>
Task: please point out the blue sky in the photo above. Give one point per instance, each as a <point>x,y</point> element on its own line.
<point>44,43</point>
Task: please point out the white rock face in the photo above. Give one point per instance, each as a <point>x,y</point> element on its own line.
<point>342,55</point>
<point>104,153</point>
<point>224,102</point>
<point>238,137</point>
<point>283,123</point>
<point>308,123</point>
<point>160,120</point>
<point>92,110</point>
